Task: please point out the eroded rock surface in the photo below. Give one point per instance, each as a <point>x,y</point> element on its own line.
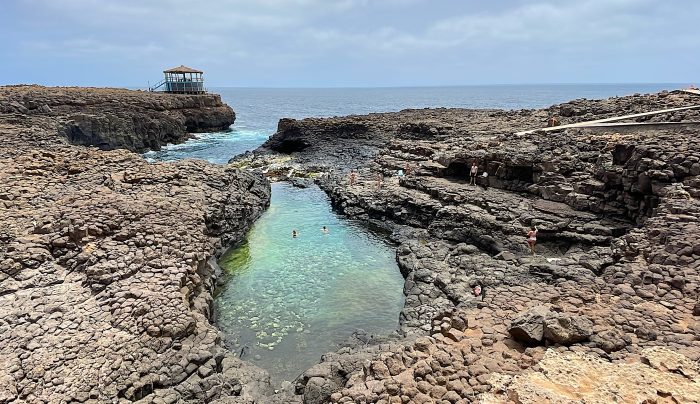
<point>106,268</point>
<point>617,265</point>
<point>577,377</point>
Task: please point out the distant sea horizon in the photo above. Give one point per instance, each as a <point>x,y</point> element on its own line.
<point>258,109</point>
<point>211,88</point>
<point>682,85</point>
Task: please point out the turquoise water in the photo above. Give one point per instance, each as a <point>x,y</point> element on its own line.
<point>290,300</point>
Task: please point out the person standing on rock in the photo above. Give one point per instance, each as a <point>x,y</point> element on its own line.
<point>479,290</point>
<point>472,173</point>
<point>353,177</point>
<point>532,238</point>
<point>380,179</point>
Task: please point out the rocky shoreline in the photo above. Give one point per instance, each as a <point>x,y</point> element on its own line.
<point>114,118</point>
<point>107,262</point>
<point>606,311</point>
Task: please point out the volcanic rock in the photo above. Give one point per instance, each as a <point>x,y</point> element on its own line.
<point>528,327</point>
<point>107,264</point>
<point>616,263</point>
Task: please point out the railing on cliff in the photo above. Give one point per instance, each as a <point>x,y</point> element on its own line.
<point>185,87</point>
<point>157,85</point>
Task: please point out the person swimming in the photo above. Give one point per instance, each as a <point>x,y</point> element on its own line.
<point>294,233</point>
<point>325,230</point>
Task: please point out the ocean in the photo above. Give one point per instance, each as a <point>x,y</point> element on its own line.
<point>259,109</point>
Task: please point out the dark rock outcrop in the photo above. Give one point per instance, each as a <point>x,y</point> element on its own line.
<point>565,329</point>
<point>111,118</point>
<point>528,327</point>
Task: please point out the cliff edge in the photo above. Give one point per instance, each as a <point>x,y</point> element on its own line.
<point>113,118</point>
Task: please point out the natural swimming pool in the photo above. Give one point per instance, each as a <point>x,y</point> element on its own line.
<point>289,300</point>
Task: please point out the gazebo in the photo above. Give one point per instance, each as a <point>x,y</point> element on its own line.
<point>184,80</point>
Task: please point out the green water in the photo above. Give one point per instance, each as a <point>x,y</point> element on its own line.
<point>290,300</point>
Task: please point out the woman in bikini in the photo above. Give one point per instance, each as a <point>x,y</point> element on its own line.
<point>532,238</point>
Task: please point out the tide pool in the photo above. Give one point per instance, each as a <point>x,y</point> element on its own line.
<point>289,300</point>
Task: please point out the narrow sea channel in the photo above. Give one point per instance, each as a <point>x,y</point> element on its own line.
<point>289,300</point>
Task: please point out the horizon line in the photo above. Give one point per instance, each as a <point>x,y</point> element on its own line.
<point>454,85</point>
<point>681,84</point>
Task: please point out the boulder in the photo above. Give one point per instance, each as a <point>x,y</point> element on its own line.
<point>539,324</point>
<point>528,327</point>
<point>610,340</point>
<point>566,329</point>
<point>318,390</point>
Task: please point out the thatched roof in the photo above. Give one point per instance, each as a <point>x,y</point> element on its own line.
<point>182,69</point>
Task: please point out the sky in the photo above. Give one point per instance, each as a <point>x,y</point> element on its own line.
<point>350,43</point>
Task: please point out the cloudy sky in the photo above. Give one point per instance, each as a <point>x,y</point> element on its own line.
<point>328,43</point>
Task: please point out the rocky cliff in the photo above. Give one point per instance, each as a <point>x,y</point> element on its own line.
<point>106,268</point>
<point>616,278</point>
<point>111,118</point>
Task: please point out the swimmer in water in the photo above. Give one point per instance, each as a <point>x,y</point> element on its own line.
<point>294,233</point>
<point>324,230</point>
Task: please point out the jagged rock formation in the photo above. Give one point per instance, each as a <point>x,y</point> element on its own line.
<point>618,264</point>
<point>106,268</point>
<point>111,118</point>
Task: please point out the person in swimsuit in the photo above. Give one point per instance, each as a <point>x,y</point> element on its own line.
<point>532,238</point>
<point>472,174</point>
<point>479,290</point>
<point>324,230</point>
<point>294,233</point>
<point>353,177</point>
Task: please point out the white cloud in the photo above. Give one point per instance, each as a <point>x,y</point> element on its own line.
<point>281,35</point>
<point>605,25</point>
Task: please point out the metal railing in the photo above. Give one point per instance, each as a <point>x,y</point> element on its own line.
<point>157,85</point>
<point>179,87</point>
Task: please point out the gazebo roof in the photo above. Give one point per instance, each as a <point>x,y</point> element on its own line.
<point>182,69</point>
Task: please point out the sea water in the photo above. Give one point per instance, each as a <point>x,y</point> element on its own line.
<point>288,300</point>
<point>259,109</point>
